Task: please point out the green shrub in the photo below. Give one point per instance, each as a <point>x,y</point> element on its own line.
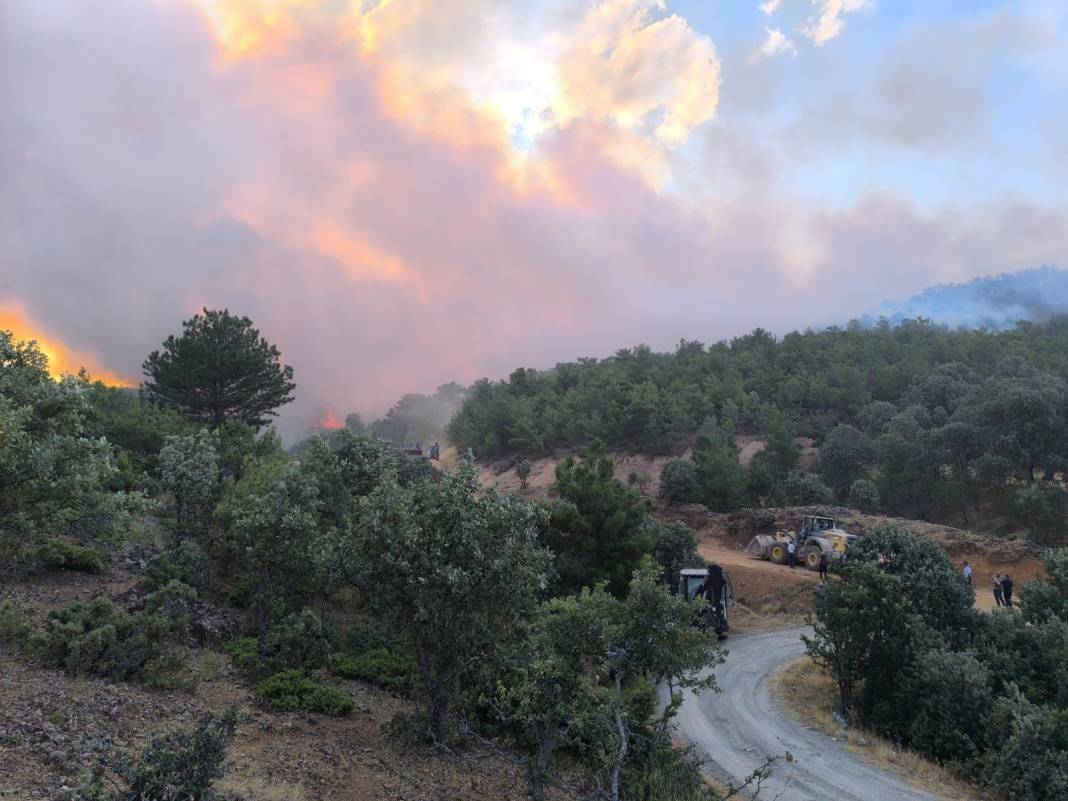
<point>302,641</point>
<point>184,564</point>
<point>179,766</point>
<point>291,691</point>
<point>245,654</point>
<point>60,555</point>
<point>678,481</point>
<point>382,666</point>
<point>98,638</point>
<point>366,635</point>
<point>14,627</point>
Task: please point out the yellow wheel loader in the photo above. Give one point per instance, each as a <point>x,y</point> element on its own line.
<point>816,536</point>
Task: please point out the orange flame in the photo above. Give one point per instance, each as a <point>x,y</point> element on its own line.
<point>62,359</point>
<point>328,421</point>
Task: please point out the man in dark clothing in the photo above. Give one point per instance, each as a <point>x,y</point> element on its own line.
<point>825,561</point>
<point>1006,590</point>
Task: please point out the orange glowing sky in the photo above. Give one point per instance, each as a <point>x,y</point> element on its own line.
<point>402,193</point>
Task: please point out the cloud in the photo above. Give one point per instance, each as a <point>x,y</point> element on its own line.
<point>828,22</point>
<point>775,42</point>
<point>769,7</point>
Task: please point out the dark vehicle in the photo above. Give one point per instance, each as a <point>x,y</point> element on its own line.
<point>714,585</point>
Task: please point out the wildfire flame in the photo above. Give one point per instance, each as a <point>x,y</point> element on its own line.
<point>62,359</point>
<point>329,421</point>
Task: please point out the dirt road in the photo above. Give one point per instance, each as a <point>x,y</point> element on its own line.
<point>740,725</point>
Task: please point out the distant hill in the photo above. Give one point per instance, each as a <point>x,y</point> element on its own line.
<point>995,302</point>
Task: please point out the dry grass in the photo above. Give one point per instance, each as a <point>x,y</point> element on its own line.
<point>809,695</point>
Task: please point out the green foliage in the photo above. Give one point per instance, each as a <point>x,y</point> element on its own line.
<point>454,569</point>
<point>291,691</point>
<point>61,555</point>
<point>721,486</point>
<point>183,563</point>
<point>15,629</point>
<point>136,427</point>
<point>302,641</point>
<point>845,456</point>
<point>1046,599</point>
<point>942,419</point>
<point>582,679</point>
<point>178,766</point>
<point>951,694</point>
<point>219,369</point>
<point>806,489</point>
<point>53,477</point>
<point>1040,508</point>
<point>934,590</point>
<point>189,471</point>
<point>273,532</point>
<point>1030,762</point>
<point>522,471</point>
<point>678,481</point>
<point>600,528</point>
<point>861,623</point>
<point>674,549</point>
<point>389,669</point>
<point>97,638</point>
<point>245,654</point>
<point>864,496</point>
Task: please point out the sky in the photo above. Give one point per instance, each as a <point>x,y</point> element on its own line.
<point>402,193</point>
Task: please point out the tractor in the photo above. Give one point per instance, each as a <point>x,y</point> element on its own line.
<point>714,585</point>
<point>817,535</point>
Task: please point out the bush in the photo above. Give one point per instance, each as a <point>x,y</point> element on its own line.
<point>14,628</point>
<point>301,642</point>
<point>180,766</point>
<point>806,489</point>
<point>291,691</point>
<point>675,548</point>
<point>184,564</point>
<point>99,639</point>
<point>678,481</point>
<point>60,555</point>
<point>367,635</point>
<point>864,496</point>
<point>382,666</point>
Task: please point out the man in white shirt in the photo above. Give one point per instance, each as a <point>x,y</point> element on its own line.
<point>967,572</point>
<point>791,551</point>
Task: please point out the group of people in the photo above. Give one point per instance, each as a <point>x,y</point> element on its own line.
<point>1002,585</point>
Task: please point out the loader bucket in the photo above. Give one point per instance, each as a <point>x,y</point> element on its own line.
<point>759,546</point>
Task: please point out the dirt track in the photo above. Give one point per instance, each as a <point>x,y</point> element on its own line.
<point>740,725</point>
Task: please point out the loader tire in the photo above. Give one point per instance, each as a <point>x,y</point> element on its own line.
<point>778,553</point>
<point>812,558</point>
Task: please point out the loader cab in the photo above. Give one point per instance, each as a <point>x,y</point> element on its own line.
<point>720,595</point>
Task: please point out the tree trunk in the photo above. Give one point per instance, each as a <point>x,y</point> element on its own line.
<point>621,731</point>
<point>539,767</point>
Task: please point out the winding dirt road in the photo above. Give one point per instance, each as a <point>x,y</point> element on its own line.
<point>740,725</point>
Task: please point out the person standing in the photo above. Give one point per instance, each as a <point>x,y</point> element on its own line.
<point>791,554</point>
<point>1006,589</point>
<point>967,572</point>
<point>825,561</point>
<point>997,590</point>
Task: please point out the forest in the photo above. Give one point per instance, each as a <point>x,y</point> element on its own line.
<point>527,630</point>
<point>966,427</point>
<point>537,629</point>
